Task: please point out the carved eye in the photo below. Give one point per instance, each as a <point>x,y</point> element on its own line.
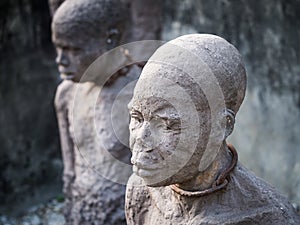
<point>173,125</point>
<point>113,36</point>
<point>136,119</point>
<point>170,124</point>
<point>75,51</point>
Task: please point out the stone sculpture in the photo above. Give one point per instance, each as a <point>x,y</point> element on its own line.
<point>182,111</point>
<point>82,30</point>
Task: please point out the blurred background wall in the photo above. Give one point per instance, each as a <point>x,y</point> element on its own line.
<point>266,32</point>
<point>30,164</point>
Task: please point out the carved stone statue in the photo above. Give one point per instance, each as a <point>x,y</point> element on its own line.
<point>82,30</point>
<point>182,111</point>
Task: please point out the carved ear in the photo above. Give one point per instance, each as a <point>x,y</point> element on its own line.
<point>113,38</point>
<point>230,120</point>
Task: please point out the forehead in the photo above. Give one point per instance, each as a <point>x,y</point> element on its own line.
<point>174,86</point>
<point>158,86</point>
<point>153,104</point>
<point>150,108</point>
<point>73,39</point>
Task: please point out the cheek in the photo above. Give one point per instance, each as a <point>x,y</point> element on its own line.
<point>131,141</point>
<point>84,60</point>
<point>132,137</point>
<point>167,144</point>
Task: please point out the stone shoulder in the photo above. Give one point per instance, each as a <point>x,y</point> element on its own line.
<point>63,95</point>
<point>267,205</point>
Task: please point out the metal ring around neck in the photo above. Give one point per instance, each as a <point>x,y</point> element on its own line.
<point>219,184</point>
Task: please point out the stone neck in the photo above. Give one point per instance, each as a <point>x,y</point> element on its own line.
<point>204,180</point>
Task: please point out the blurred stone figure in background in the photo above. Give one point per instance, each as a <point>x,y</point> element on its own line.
<point>182,111</point>
<point>82,30</point>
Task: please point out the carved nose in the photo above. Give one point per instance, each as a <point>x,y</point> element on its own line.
<point>134,159</point>
<point>145,130</point>
<point>61,58</point>
<point>144,139</point>
<point>139,158</point>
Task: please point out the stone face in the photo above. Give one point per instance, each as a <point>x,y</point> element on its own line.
<point>98,29</point>
<point>266,34</point>
<point>176,68</point>
<point>182,111</point>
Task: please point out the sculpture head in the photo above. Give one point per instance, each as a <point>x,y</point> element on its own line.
<point>84,29</point>
<point>183,107</point>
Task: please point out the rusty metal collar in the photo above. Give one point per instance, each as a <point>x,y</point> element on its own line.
<point>219,184</point>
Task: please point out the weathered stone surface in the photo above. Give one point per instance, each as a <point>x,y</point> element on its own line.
<point>94,147</point>
<point>267,35</point>
<point>161,205</point>
<point>182,111</point>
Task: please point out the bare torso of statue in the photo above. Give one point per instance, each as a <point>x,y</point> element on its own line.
<point>183,109</point>
<point>92,149</point>
<point>93,118</point>
<point>246,200</point>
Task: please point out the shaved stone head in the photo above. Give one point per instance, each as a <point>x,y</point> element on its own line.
<point>203,52</point>
<point>91,18</point>
<point>197,81</point>
<point>82,30</point>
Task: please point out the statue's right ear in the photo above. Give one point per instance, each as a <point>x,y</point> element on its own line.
<point>230,120</point>
<point>113,38</point>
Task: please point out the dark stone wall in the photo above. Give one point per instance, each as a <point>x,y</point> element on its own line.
<point>267,34</point>
<point>30,165</point>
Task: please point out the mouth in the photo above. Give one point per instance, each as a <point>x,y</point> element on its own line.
<point>145,172</point>
<point>67,76</point>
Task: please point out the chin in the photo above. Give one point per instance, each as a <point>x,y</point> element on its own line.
<point>66,76</point>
